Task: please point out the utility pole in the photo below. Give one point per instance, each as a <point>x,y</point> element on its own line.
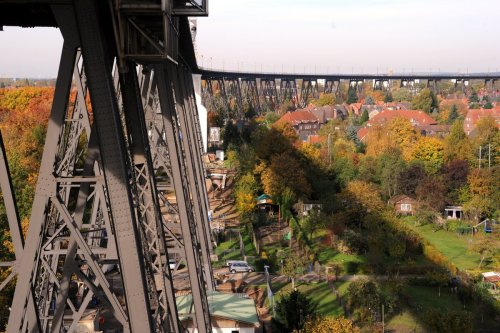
<point>383,323</point>
<point>489,155</point>
<point>480,149</point>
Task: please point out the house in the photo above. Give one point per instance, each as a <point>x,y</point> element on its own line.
<point>453,212</point>
<point>474,115</point>
<point>307,206</point>
<point>492,278</point>
<point>303,121</point>
<point>324,113</point>
<point>230,313</point>
<point>404,204</point>
<point>438,131</point>
<point>415,117</point>
<point>355,108</point>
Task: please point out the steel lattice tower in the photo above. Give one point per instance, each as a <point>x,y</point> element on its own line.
<point>100,201</point>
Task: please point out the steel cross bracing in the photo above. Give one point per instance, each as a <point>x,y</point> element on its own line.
<point>97,202</point>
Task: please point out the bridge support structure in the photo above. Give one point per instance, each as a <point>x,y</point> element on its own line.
<point>98,201</point>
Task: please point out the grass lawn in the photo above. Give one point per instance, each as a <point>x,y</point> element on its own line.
<point>453,246</point>
<point>321,294</point>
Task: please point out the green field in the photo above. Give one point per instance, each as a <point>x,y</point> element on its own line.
<point>450,244</point>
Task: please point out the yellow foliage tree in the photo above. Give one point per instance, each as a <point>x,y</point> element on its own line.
<point>402,133</point>
<point>430,151</point>
<point>329,325</point>
<point>378,141</point>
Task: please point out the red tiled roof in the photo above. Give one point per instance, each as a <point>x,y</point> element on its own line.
<point>362,132</point>
<point>297,117</point>
<point>474,115</point>
<point>416,117</point>
<point>316,139</point>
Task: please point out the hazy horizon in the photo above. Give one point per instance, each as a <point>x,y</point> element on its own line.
<point>320,36</point>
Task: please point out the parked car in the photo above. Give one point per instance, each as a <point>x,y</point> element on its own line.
<point>231,262</point>
<point>238,267</point>
<point>172,263</point>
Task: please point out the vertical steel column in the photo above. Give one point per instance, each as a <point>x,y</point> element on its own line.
<point>188,120</point>
<point>97,60</point>
<point>191,245</point>
<point>28,266</point>
<point>149,214</point>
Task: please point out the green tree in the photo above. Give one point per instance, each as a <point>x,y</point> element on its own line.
<point>388,97</point>
<point>364,117</point>
<point>365,296</point>
<point>294,267</point>
<point>292,311</point>
<point>488,105</point>
<point>487,245</point>
<point>453,114</point>
<point>449,321</point>
<point>473,98</point>
<point>369,100</point>
<point>352,96</point>
<point>426,101</point>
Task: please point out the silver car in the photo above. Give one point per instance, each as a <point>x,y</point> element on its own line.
<point>240,267</point>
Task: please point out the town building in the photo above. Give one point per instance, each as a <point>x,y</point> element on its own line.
<point>474,115</point>
<point>303,121</point>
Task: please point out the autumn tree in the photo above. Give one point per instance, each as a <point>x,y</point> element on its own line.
<point>431,193</point>
<point>403,134</point>
<point>325,99</point>
<point>426,101</point>
<point>246,191</point>
<point>457,144</point>
<point>429,151</point>
<point>294,267</point>
<point>321,324</point>
<point>487,140</point>
<point>482,193</point>
<point>487,245</point>
<point>389,166</point>
<point>409,178</point>
<point>284,172</point>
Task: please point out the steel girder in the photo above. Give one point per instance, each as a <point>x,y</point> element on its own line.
<point>289,91</point>
<point>111,217</point>
<point>175,128</point>
<point>250,94</point>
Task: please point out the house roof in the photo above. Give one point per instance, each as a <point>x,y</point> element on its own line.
<point>473,116</point>
<point>323,113</point>
<point>491,276</point>
<point>416,117</point>
<point>297,117</point>
<point>223,305</point>
<point>397,198</point>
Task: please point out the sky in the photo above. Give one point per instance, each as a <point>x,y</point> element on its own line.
<point>314,36</point>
